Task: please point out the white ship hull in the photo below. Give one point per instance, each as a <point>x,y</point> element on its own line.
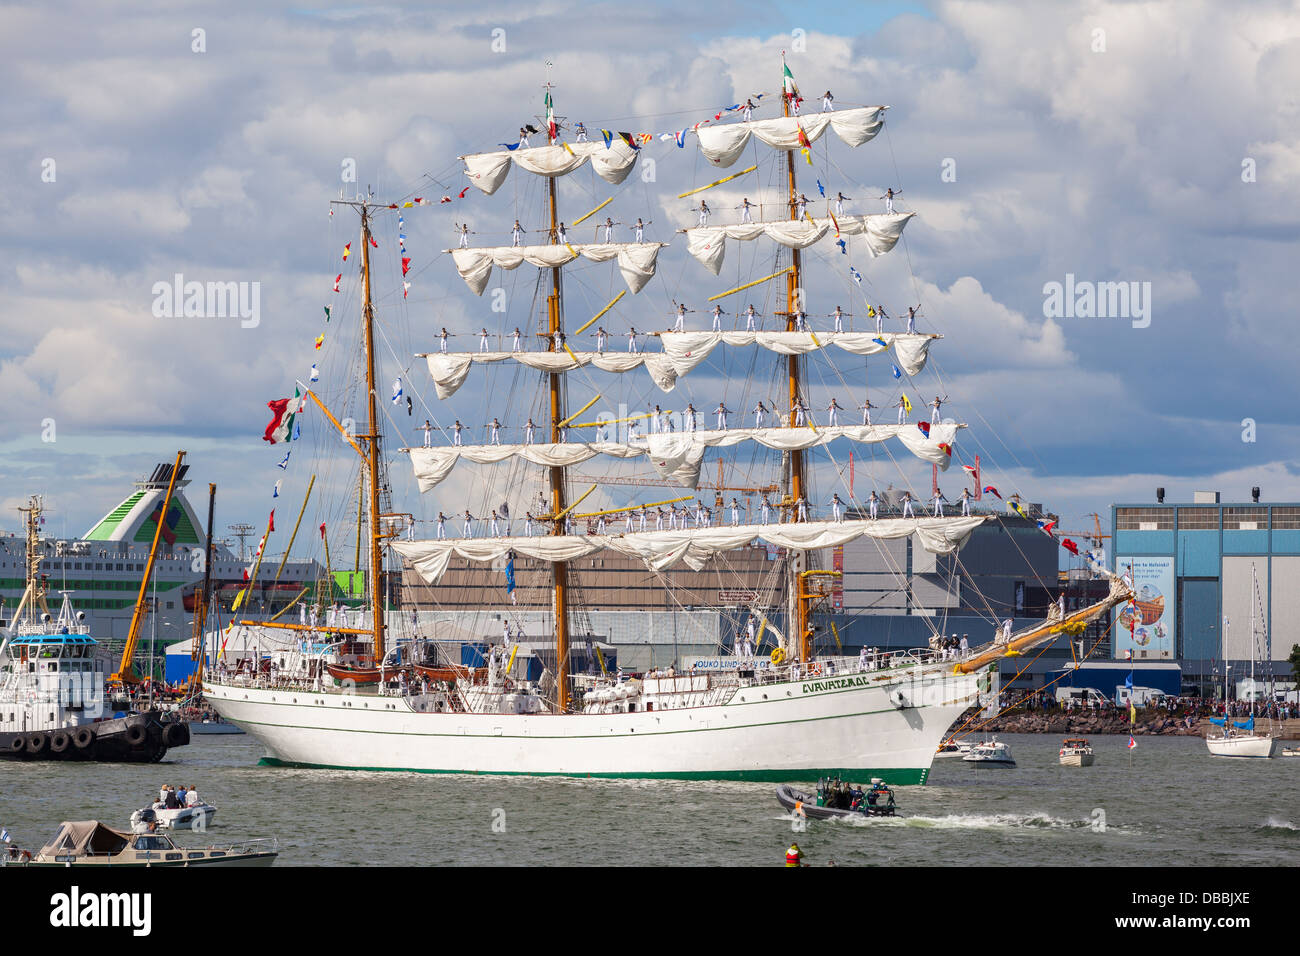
<point>1241,745</point>
<point>846,724</point>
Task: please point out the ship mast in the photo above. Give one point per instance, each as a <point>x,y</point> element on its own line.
<point>559,569</point>
<point>793,304</point>
<point>372,448</point>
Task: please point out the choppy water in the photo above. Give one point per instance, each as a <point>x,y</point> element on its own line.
<point>1175,806</point>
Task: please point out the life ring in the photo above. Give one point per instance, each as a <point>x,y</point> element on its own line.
<point>815,669</point>
<point>136,735</point>
<point>777,656</point>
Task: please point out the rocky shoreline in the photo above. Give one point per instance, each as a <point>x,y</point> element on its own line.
<point>1088,723</point>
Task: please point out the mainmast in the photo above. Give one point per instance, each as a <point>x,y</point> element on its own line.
<point>559,569</point>
<point>372,449</point>
<point>793,305</point>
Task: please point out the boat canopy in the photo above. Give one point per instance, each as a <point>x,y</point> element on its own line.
<point>54,639</point>
<point>88,836</point>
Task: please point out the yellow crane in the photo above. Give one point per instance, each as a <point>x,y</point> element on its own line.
<point>125,673</point>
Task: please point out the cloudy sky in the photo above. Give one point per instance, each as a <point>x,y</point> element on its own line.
<point>1151,143</point>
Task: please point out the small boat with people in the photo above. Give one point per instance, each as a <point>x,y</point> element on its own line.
<point>836,799</point>
<point>953,748</point>
<point>991,753</point>
<point>1076,752</point>
<point>94,844</point>
<point>175,809</point>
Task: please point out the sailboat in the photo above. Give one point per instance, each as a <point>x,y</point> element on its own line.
<point>356,697</point>
<point>1238,737</point>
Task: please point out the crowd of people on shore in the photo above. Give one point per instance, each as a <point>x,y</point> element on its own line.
<point>1182,706</point>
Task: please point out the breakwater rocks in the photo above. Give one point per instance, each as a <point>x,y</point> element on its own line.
<point>1083,724</point>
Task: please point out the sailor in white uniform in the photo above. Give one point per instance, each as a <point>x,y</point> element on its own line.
<point>749,318</point>
<point>874,503</point>
<point>902,411</point>
<point>722,411</point>
<point>529,431</point>
<point>735,512</point>
<point>803,509</point>
<point>631,341</point>
<point>839,203</point>
<point>428,432</point>
<point>688,418</point>
<point>749,110</point>
<point>455,439</point>
<point>464,236</point>
<point>302,614</point>
<point>528,524</point>
<point>798,414</point>
<point>516,234</point>
<point>558,338</point>
<point>764,509</point>
<point>965,502</point>
<point>911,318</point>
<point>717,318</point>
<point>745,206</point>
<point>888,197</point>
<point>681,318</point>
<point>936,405</point>
<point>517,345</point>
<point>469,525</point>
<point>1006,632</point>
<point>496,524</point>
<point>600,525</point>
<point>801,321</point>
<point>627,522</point>
<point>442,342</point>
<point>564,434</point>
<point>834,410</point>
<point>640,230</point>
<point>640,518</point>
<point>759,412</point>
<point>704,213</point>
<point>483,340</point>
<point>880,320</point>
<point>907,505</point>
<point>659,519</point>
<point>866,411</point>
<point>828,102</point>
<point>938,500</point>
<point>802,204</point>
<point>496,432</point>
<point>838,314</point>
<point>601,338</point>
<point>562,235</point>
<point>442,526</point>
<point>580,131</point>
<point>602,431</point>
<point>837,508</point>
<point>609,229</point>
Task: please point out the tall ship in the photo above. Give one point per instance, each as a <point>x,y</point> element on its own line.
<point>374,692</point>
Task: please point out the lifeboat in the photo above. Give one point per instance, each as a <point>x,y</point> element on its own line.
<point>450,672</point>
<point>363,675</point>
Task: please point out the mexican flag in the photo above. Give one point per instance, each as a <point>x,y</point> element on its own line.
<point>787,80</point>
<point>551,132</point>
<point>283,412</point>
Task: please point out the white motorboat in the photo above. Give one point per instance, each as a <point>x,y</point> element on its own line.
<point>1076,752</point>
<point>953,748</point>
<point>197,817</point>
<point>1233,743</point>
<point>993,753</point>
<point>91,843</point>
<point>1290,752</point>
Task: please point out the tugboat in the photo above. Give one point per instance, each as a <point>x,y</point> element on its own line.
<point>52,702</point>
<point>835,799</point>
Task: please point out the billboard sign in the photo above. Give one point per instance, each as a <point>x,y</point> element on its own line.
<point>1147,627</point>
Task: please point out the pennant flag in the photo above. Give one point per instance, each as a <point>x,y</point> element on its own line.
<point>337,279</point>
<point>283,411</point>
<point>969,469</point>
<point>1046,527</point>
<point>347,250</point>
<point>373,243</point>
<point>443,200</point>
<point>327,310</point>
<point>990,490</point>
<point>284,462</point>
<point>1132,712</point>
<point>270,525</point>
<point>787,81</point>
<point>820,188</point>
<point>401,223</point>
<point>421,201</point>
<point>857,276</point>
<point>881,342</point>
<point>1070,546</point>
<point>322,530</point>
<point>925,428</point>
<point>320,340</point>
<point>406,264</point>
<point>844,248</point>
<point>4,834</point>
<point>898,372</point>
<point>607,136</point>
<point>1015,506</point>
<point>681,139</point>
<point>803,137</point>
<point>1131,742</point>
<point>315,374</point>
<point>807,154</point>
<point>945,448</point>
<point>907,405</point>
<point>510,146</point>
<point>627,138</point>
<point>297,430</point>
<point>275,492</point>
<point>510,576</point>
<point>239,598</point>
<point>406,287</point>
<point>461,194</point>
<point>397,392</point>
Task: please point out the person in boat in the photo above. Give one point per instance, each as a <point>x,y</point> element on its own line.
<point>192,798</point>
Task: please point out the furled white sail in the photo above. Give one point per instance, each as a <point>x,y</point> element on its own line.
<point>488,171</point>
<point>636,260</point>
<point>723,144</point>
<point>450,369</point>
<point>683,351</point>
<point>677,455</point>
<point>708,244</point>
<point>693,547</point>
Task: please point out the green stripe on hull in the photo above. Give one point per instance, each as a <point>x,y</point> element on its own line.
<point>894,776</point>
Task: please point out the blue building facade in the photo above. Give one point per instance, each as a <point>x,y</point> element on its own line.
<point>1216,582</point>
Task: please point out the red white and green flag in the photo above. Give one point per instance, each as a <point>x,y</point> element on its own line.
<point>283,412</point>
<point>551,132</point>
<point>787,80</point>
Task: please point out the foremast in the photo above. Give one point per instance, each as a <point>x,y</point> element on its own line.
<point>372,448</point>
<point>796,602</point>
<point>559,569</point>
